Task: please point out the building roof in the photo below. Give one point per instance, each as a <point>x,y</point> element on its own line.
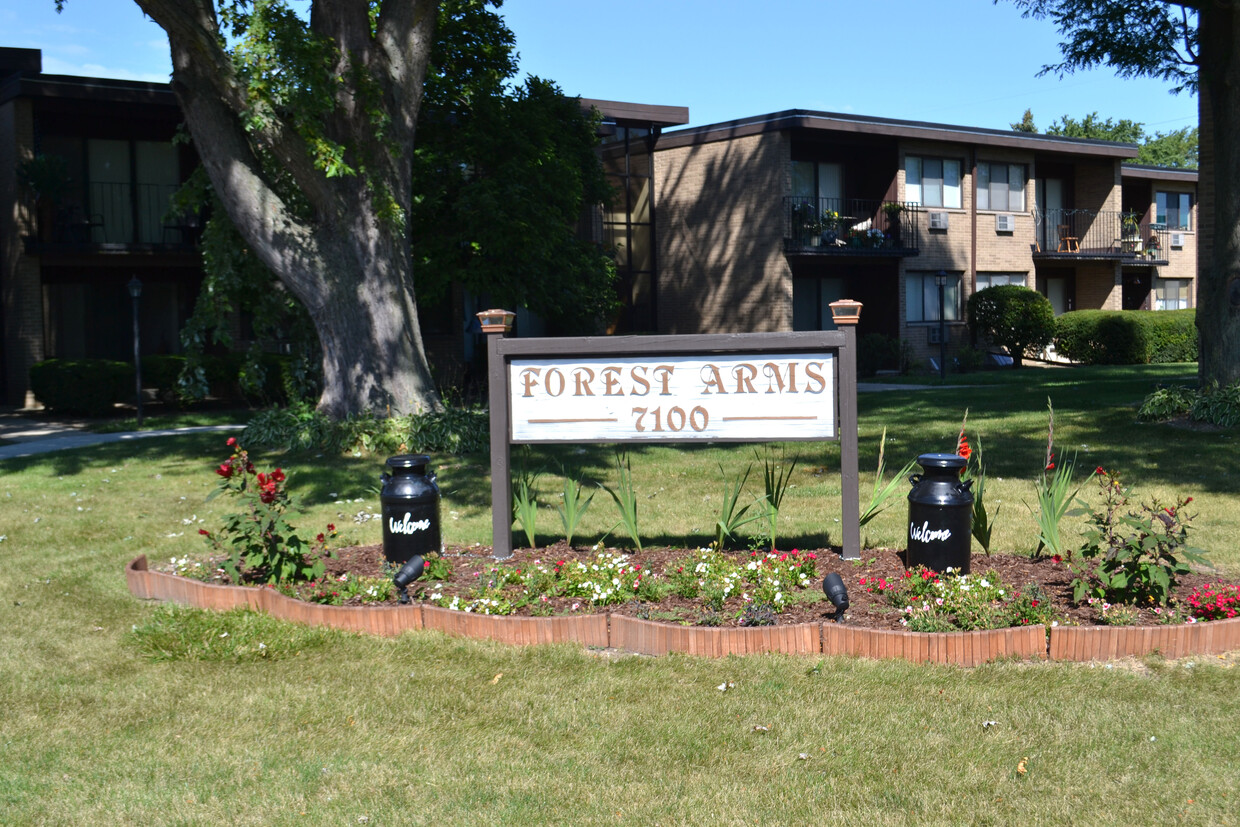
<point>1152,173</point>
<point>867,125</point>
<point>643,113</point>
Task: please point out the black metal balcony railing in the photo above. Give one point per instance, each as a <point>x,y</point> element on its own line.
<point>121,214</point>
<point>851,226</point>
<point>1104,234</point>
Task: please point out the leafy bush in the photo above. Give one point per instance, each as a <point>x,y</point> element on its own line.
<point>1127,337</point>
<point>878,351</point>
<point>1216,406</point>
<point>1014,317</point>
<point>452,431</point>
<point>82,386</point>
<point>1140,552</point>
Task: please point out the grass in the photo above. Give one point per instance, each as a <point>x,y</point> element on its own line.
<point>118,711</point>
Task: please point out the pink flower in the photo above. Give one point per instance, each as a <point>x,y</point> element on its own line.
<point>232,440</point>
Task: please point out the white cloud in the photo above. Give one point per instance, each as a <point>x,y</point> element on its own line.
<point>55,66</point>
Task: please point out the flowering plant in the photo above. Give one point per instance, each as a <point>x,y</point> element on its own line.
<point>929,603</point>
<point>261,544</point>
<point>1140,551</point>
<point>1053,497</point>
<point>983,524</point>
<point>1215,601</point>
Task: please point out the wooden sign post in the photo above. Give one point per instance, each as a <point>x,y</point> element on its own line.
<point>750,387</point>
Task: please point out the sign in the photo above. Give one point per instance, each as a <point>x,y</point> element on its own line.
<point>748,396</point>
<point>725,387</point>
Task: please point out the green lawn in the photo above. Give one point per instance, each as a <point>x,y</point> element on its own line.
<point>118,711</point>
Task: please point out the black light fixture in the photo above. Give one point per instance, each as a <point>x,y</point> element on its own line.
<point>940,278</point>
<point>135,292</point>
<point>836,592</point>
<point>409,572</point>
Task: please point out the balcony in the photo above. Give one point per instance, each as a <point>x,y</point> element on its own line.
<point>116,217</point>
<point>1076,235</point>
<point>850,227</point>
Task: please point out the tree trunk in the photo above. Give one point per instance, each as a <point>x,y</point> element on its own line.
<point>1218,243</point>
<point>367,323</point>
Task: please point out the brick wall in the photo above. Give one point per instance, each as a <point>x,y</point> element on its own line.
<point>1098,286</point>
<point>20,285</point>
<point>720,234</point>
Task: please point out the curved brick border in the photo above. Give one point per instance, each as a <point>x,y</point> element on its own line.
<point>1070,643</point>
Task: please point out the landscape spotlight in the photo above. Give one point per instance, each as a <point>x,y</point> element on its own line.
<point>408,573</point>
<point>833,587</point>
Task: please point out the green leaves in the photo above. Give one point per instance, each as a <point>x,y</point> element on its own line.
<point>573,507</point>
<point>884,491</point>
<point>625,497</point>
<point>730,519</point>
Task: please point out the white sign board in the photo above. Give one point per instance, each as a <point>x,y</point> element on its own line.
<point>764,396</point>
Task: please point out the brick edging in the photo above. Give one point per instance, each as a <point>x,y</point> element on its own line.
<point>1066,643</point>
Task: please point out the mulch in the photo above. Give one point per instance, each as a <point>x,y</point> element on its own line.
<point>866,609</point>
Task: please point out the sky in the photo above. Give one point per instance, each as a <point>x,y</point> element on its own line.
<point>965,62</point>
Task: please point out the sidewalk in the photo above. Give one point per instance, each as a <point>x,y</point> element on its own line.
<point>24,437</point>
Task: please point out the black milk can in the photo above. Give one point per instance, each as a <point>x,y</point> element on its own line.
<point>410,501</point>
<point>940,515</point>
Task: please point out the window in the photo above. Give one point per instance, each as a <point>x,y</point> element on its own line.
<point>1174,210</point>
<point>922,298</point>
<point>932,182</point>
<point>1171,294</point>
<point>985,280</point>
<point>1001,187</point>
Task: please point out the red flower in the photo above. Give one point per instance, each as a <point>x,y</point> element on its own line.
<point>225,470</point>
<point>1189,500</point>
<point>277,475</point>
<point>204,532</point>
<point>320,539</point>
<point>331,527</point>
<point>963,448</point>
<point>1099,470</point>
<point>232,440</point>
<point>1033,603</point>
<point>1057,559</point>
<point>1050,466</point>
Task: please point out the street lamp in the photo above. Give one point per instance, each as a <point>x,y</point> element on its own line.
<point>135,292</point>
<point>940,278</point>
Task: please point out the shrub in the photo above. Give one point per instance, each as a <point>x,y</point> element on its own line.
<point>878,351</point>
<point>1127,337</point>
<point>1214,405</point>
<point>1167,403</point>
<point>1014,317</point>
<point>82,386</point>
<point>453,430</point>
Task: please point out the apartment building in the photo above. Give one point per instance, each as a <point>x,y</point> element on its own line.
<point>762,222</point>
<point>88,168</point>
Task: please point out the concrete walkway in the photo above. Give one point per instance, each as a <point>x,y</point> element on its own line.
<point>24,437</point>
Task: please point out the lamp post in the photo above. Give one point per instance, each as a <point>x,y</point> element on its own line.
<point>135,292</point>
<point>940,278</point>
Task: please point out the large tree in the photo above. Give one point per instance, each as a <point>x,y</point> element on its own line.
<point>1176,149</point>
<point>500,175</point>
<point>305,127</point>
<point>1196,47</point>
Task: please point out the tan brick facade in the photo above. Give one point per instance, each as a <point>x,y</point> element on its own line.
<point>720,226</point>
<point>720,231</point>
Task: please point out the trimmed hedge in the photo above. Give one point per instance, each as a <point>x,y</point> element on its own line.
<point>1127,337</point>
<point>1013,317</point>
<point>82,386</point>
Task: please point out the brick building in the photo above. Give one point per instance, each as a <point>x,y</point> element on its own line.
<point>88,168</point>
<point>761,222</point>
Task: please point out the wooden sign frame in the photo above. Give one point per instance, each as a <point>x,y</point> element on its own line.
<point>840,344</point>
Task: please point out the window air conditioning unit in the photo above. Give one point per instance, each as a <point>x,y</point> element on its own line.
<point>934,335</point>
<point>1177,239</point>
<point>938,221</point>
<point>1005,223</point>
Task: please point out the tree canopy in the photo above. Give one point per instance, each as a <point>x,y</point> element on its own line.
<point>1195,46</point>
<point>1175,149</point>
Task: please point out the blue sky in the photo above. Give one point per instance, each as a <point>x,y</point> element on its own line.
<point>967,62</point>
